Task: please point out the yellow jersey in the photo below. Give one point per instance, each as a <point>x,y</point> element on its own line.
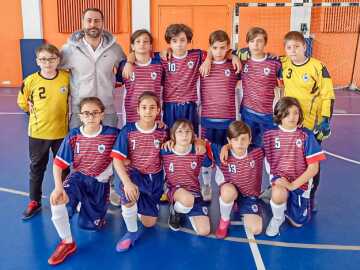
<point>49,97</point>
<point>311,84</point>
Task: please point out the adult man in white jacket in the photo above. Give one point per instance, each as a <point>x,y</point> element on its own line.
<point>92,55</point>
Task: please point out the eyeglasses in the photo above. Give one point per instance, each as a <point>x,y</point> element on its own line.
<point>49,60</point>
<point>183,131</point>
<point>87,114</point>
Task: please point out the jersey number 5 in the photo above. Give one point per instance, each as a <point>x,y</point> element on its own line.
<point>277,143</point>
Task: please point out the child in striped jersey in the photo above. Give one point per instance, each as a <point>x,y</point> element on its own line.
<point>217,97</point>
<point>182,166</point>
<point>181,76</point>
<point>293,154</point>
<point>240,179</point>
<point>260,77</point>
<point>146,75</point>
<point>87,149</point>
<point>142,180</point>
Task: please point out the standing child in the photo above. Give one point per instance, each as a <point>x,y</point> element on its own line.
<point>147,73</point>
<point>260,77</point>
<point>182,169</point>
<point>293,154</point>
<point>44,95</point>
<point>217,92</point>
<point>88,150</point>
<point>181,75</point>
<point>142,182</point>
<point>241,179</point>
<point>308,80</point>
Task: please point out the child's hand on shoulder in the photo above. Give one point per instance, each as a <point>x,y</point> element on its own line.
<point>200,146</point>
<point>224,153</point>
<point>168,145</point>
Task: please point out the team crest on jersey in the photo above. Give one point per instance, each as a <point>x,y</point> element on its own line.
<point>246,68</point>
<point>227,72</point>
<point>101,148</point>
<point>157,144</point>
<point>132,76</point>
<point>205,210</point>
<point>193,165</point>
<point>254,208</point>
<point>63,89</point>
<point>190,64</point>
<point>266,71</point>
<point>298,143</point>
<point>305,77</point>
<point>153,76</point>
<point>252,163</point>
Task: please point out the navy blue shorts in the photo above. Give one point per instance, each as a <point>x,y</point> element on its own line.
<point>258,123</point>
<point>214,135</point>
<point>199,207</point>
<point>248,205</point>
<point>298,205</point>
<point>174,111</point>
<point>151,187</point>
<point>93,196</point>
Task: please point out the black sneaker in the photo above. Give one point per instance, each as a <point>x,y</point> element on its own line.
<point>31,210</point>
<point>174,219</point>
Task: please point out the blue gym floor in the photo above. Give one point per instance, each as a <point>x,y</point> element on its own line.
<point>330,241</point>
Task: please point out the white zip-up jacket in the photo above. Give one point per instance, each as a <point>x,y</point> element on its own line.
<point>91,76</point>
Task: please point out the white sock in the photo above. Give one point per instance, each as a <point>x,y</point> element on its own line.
<point>225,209</point>
<point>278,210</point>
<point>180,208</point>
<point>130,217</point>
<point>206,175</point>
<point>60,218</point>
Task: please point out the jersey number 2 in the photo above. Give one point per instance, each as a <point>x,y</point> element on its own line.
<point>42,92</point>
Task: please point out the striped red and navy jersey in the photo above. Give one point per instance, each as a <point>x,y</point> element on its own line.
<point>244,172</point>
<point>259,79</point>
<point>89,155</point>
<point>217,91</point>
<point>181,75</point>
<point>146,77</point>
<point>183,170</point>
<point>141,147</point>
<point>290,152</point>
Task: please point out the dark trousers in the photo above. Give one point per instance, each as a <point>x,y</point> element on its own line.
<point>316,181</point>
<point>39,156</point>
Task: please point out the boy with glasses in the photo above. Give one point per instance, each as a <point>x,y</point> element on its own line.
<point>44,95</point>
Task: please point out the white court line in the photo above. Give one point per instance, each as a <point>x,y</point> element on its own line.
<point>343,158</point>
<point>254,249</point>
<point>236,239</point>
<point>17,192</point>
<point>346,114</point>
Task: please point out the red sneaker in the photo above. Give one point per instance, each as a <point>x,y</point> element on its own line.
<point>222,229</point>
<point>62,251</point>
<point>32,209</point>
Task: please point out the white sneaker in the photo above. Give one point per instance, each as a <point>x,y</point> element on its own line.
<point>114,197</point>
<point>206,193</point>
<point>274,226</point>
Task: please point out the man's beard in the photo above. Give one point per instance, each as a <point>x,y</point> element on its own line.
<point>93,32</point>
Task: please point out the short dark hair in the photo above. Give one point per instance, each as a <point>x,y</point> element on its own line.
<point>48,48</point>
<point>94,100</point>
<point>178,123</point>
<point>282,109</point>
<point>151,95</point>
<point>254,32</point>
<point>175,29</point>
<point>296,36</point>
<point>93,9</point>
<point>138,33</point>
<point>237,128</point>
<point>220,36</point>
